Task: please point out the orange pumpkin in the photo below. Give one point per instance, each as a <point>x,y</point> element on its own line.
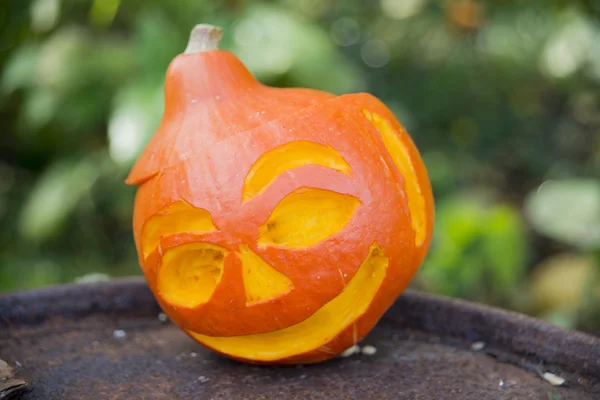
<point>275,225</point>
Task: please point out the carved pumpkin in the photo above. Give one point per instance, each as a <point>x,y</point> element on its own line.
<point>275,225</point>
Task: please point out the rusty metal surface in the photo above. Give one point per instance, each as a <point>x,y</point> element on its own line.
<point>105,341</point>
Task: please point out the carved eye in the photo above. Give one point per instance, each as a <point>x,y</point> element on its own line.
<point>306,217</point>
<point>190,273</point>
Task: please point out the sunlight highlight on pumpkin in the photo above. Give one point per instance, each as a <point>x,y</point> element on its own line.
<point>307,216</point>
<point>318,329</point>
<point>174,218</point>
<point>401,157</point>
<point>261,281</point>
<point>190,273</point>
<point>288,156</point>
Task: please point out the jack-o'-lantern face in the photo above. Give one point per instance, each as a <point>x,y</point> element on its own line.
<point>282,239</point>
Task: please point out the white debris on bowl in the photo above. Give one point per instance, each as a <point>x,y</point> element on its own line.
<point>162,317</point>
<point>477,346</point>
<point>203,379</point>
<point>369,350</point>
<point>350,351</point>
<point>193,355</point>
<point>501,383</point>
<point>119,334</point>
<point>553,379</point>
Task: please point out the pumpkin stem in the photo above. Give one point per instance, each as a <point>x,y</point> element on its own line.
<point>204,37</point>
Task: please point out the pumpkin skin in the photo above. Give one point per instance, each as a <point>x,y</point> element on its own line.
<point>276,225</point>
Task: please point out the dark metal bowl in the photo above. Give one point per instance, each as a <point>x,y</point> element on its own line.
<point>105,341</point>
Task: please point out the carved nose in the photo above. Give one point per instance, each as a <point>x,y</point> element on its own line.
<point>261,281</point>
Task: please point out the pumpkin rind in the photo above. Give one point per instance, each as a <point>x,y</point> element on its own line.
<point>242,156</point>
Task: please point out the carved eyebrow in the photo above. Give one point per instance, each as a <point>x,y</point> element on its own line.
<point>288,156</point>
<point>174,218</point>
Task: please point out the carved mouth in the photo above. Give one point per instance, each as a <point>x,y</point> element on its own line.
<point>315,332</point>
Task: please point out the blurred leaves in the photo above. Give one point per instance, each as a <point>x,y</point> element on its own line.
<point>44,14</point>
<point>567,211</point>
<point>103,12</point>
<point>272,42</point>
<point>20,70</point>
<point>561,287</point>
<point>137,112</point>
<point>478,251</point>
<point>55,195</point>
<point>569,47</point>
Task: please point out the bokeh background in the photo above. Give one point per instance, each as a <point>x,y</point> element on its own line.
<point>501,97</point>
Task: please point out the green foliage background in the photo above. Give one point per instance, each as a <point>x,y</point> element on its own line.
<point>502,99</point>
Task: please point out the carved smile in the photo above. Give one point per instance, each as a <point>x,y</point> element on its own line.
<point>317,330</point>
